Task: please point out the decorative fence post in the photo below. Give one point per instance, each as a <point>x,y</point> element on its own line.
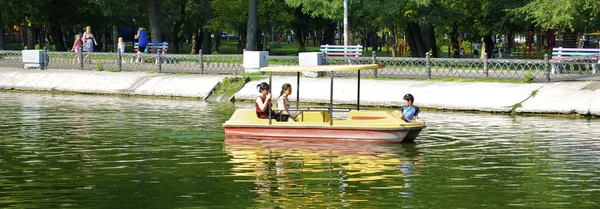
<point>81,57</point>
<point>201,62</point>
<point>547,67</point>
<point>119,59</point>
<point>428,65</point>
<point>486,69</point>
<point>374,59</point>
<point>159,61</point>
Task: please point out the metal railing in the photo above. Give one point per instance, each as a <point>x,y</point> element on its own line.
<point>545,70</point>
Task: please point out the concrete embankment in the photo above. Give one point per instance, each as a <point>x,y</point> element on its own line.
<point>549,98</point>
<point>553,98</point>
<point>128,83</point>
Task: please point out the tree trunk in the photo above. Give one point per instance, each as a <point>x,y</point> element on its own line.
<point>298,34</point>
<point>218,40</point>
<point>23,30</point>
<point>416,30</point>
<point>395,43</point>
<point>431,41</point>
<point>488,45</point>
<point>104,44</point>
<point>374,40</point>
<point>259,46</point>
<point>454,41</point>
<point>175,37</point>
<point>30,39</point>
<point>1,31</point>
<point>206,42</point>
<point>56,32</point>
<point>115,38</point>
<point>510,41</point>
<point>154,21</point>
<point>194,44</point>
<point>252,25</point>
<point>410,40</point>
<point>329,33</point>
<point>265,39</point>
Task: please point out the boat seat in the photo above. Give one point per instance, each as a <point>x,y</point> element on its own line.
<point>314,116</point>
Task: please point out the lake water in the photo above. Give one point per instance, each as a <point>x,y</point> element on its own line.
<point>85,151</point>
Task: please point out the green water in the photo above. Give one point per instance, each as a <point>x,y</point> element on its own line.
<point>77,151</point>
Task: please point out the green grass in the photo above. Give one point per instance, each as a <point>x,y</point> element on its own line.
<point>229,86</point>
<point>255,76</point>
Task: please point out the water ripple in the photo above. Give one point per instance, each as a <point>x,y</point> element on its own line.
<point>124,152</point>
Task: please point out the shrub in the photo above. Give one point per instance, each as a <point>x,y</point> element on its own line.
<point>528,77</point>
<point>99,66</point>
<point>275,45</point>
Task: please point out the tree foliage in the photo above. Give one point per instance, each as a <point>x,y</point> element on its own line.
<point>425,25</point>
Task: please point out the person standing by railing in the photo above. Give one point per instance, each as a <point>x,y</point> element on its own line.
<point>89,41</point>
<point>121,48</point>
<point>77,44</point>
<point>142,38</point>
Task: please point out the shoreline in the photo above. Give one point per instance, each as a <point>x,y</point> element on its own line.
<point>571,99</point>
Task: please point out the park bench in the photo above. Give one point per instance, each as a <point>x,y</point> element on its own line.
<point>560,53</point>
<point>563,53</point>
<point>338,50</point>
<point>154,48</point>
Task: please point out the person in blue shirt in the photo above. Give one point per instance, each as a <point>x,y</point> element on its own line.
<point>142,38</point>
<point>409,112</point>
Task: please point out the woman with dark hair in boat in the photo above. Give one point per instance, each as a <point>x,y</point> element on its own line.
<point>263,102</point>
<point>283,103</point>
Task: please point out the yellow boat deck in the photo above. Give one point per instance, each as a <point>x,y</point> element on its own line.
<point>363,119</point>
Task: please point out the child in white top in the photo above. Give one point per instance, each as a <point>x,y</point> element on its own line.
<point>283,103</point>
<point>121,48</point>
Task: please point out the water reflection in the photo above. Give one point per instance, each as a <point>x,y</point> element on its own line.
<point>124,152</point>
<point>292,173</point>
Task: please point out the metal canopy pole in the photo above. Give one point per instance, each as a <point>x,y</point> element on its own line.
<point>331,101</point>
<point>269,107</point>
<point>358,90</point>
<point>298,91</point>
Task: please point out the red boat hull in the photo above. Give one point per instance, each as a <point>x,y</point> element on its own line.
<point>323,134</point>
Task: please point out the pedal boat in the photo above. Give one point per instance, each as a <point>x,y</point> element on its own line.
<point>316,124</point>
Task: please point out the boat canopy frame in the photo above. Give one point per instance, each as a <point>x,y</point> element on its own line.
<point>321,68</point>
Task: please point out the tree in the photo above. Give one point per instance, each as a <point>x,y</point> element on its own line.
<point>566,14</point>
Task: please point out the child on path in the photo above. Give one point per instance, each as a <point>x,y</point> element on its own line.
<point>121,48</point>
<point>409,112</point>
<point>77,47</point>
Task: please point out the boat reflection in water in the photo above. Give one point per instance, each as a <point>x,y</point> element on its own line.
<point>339,174</point>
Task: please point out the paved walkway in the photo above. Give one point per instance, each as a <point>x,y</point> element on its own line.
<point>582,97</point>
<point>553,98</point>
<point>130,83</point>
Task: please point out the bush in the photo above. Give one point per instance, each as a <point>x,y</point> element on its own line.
<point>99,66</point>
<point>275,45</point>
<point>528,77</point>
